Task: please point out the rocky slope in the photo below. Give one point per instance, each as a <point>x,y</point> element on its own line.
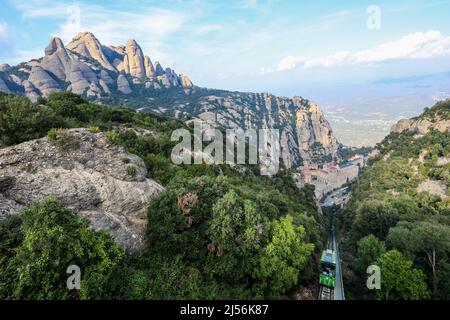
<point>423,124</point>
<point>87,174</point>
<point>401,201</point>
<point>124,75</point>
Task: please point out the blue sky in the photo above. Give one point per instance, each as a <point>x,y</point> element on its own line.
<point>323,50</point>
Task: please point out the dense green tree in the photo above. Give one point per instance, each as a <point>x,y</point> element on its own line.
<point>370,248</point>
<point>285,256</point>
<point>53,239</point>
<point>399,280</point>
<point>22,120</point>
<point>428,238</point>
<point>374,217</point>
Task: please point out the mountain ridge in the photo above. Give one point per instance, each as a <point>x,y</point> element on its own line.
<point>124,75</point>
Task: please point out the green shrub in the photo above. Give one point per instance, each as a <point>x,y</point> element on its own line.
<point>63,139</point>
<point>50,239</point>
<point>131,171</point>
<point>93,129</point>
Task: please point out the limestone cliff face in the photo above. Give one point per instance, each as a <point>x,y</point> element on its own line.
<point>88,175</point>
<point>305,135</point>
<point>315,136</point>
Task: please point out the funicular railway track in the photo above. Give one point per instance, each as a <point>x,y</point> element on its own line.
<point>326,291</point>
<point>330,279</point>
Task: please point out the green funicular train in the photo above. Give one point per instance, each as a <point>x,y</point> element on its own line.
<point>328,268</point>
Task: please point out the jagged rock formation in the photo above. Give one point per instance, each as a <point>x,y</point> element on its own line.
<point>88,175</point>
<point>314,133</point>
<point>124,75</point>
<point>88,68</point>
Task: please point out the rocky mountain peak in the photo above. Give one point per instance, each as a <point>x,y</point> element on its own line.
<point>87,45</point>
<point>159,70</point>
<point>185,81</point>
<point>149,68</point>
<point>88,68</point>
<point>134,60</point>
<point>4,67</point>
<point>54,45</point>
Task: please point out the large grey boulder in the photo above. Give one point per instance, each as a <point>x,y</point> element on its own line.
<point>87,174</point>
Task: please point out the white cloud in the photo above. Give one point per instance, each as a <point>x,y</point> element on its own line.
<point>419,45</point>
<point>5,39</point>
<point>149,26</point>
<point>207,28</point>
<point>3,31</point>
<point>289,63</point>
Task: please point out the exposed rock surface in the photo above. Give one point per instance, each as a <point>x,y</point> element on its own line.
<point>87,45</point>
<point>123,85</point>
<point>421,126</point>
<point>133,62</point>
<point>87,174</point>
<point>54,45</point>
<point>43,81</point>
<point>4,67</point>
<point>304,132</point>
<point>314,133</point>
<point>434,187</point>
<point>149,68</point>
<point>185,81</point>
<point>4,87</point>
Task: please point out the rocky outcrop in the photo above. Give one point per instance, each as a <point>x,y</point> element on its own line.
<point>159,71</point>
<point>87,45</point>
<point>42,81</point>
<point>3,86</point>
<point>54,45</point>
<point>401,125</point>
<point>87,174</point>
<point>185,81</point>
<point>421,126</point>
<point>434,187</point>
<point>123,85</point>
<point>57,60</point>
<point>314,133</point>
<point>4,67</point>
<point>305,135</point>
<point>133,62</point>
<point>30,91</point>
<point>149,68</point>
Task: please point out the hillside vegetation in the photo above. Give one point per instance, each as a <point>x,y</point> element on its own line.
<point>399,215</point>
<point>215,232</point>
